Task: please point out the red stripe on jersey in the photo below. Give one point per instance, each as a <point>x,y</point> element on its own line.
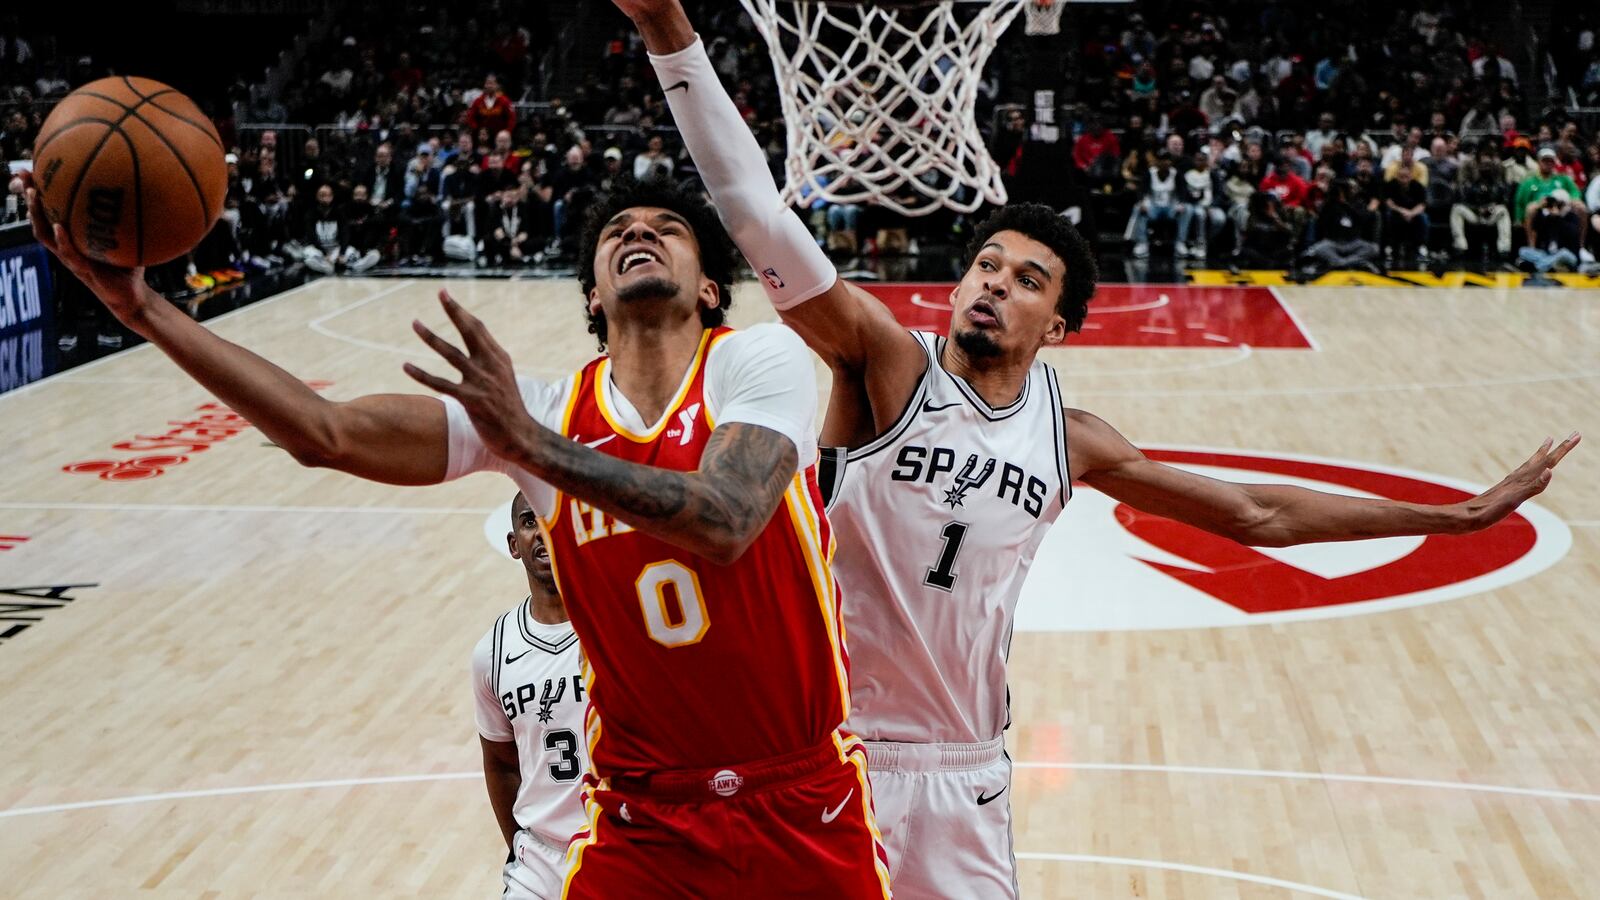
<point>694,664</point>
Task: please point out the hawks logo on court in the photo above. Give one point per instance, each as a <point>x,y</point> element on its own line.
<point>1105,566</point>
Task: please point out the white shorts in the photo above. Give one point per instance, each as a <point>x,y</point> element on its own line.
<point>945,814</point>
<point>536,871</point>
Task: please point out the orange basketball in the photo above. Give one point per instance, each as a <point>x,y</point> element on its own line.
<point>131,169</point>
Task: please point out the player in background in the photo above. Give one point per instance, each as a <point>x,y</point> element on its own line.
<point>675,481</point>
<point>529,700</point>
<point>958,456</point>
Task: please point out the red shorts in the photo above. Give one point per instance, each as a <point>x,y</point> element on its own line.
<point>794,826</point>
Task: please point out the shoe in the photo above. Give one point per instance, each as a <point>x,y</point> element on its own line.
<point>367,261</point>
<point>1141,251</point>
<point>1180,251</point>
<point>1584,256</point>
<point>1422,254</point>
<point>199,282</point>
<point>316,262</point>
<point>67,343</point>
<point>108,340</point>
<point>1198,251</point>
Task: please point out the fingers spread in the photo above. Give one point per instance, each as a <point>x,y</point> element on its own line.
<point>440,346</point>
<point>1565,448</point>
<point>465,322</point>
<point>434,382</point>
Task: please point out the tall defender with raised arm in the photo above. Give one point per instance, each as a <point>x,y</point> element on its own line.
<point>956,456</point>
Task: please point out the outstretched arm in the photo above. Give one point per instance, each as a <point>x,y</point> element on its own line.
<point>853,332</point>
<point>716,511</point>
<point>1277,515</point>
<point>394,438</point>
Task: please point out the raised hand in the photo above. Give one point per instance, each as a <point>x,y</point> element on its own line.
<point>123,291</point>
<point>1527,480</point>
<point>488,388</point>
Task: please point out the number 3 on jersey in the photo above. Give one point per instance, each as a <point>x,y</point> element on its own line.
<point>674,611</point>
<point>943,573</point>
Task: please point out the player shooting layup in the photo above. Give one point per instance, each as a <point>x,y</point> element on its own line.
<point>675,480</point>
<point>959,456</point>
<point>529,700</point>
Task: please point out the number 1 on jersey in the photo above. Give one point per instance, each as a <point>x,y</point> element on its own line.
<point>943,575</point>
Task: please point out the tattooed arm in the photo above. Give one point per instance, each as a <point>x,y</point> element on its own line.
<point>766,425</point>
<point>716,511</point>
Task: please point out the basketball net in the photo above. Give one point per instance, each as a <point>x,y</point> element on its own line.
<point>1041,17</point>
<point>878,100</point>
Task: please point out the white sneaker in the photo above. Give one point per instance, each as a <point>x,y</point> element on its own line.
<point>366,261</point>
<point>1198,251</point>
<point>1422,253</point>
<point>1181,251</point>
<point>1584,256</point>
<point>319,263</point>
<point>1140,251</point>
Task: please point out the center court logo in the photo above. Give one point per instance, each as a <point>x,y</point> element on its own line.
<point>1106,567</point>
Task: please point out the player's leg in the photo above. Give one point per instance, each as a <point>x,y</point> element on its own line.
<point>535,872</point>
<point>637,848</point>
<point>816,837</point>
<point>961,843</point>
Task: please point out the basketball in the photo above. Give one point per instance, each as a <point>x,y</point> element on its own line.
<point>131,169</point>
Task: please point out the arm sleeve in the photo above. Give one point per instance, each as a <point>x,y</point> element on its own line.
<point>764,376</point>
<point>778,246</point>
<point>1592,199</point>
<point>545,402</point>
<point>486,711</point>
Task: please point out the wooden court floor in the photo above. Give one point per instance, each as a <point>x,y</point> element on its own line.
<point>240,678</point>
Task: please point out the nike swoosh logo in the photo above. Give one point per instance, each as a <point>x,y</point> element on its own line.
<point>928,407</point>
<point>828,815</point>
<point>682,84</point>
<point>982,799</point>
<point>605,440</point>
<point>511,659</point>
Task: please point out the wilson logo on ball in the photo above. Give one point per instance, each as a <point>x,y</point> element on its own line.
<point>105,214</point>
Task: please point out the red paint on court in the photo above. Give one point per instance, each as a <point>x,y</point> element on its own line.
<point>1254,582</point>
<point>1136,315</point>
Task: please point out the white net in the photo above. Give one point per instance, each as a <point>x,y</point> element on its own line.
<point>878,100</point>
<point>1041,17</point>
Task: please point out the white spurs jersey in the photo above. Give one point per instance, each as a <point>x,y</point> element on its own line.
<point>937,522</point>
<point>528,688</point>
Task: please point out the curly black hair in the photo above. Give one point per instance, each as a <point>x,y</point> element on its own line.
<point>719,258</point>
<point>1048,227</point>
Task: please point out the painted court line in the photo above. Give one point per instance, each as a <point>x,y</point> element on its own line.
<point>318,326</point>
<point>198,507</point>
<point>1541,793</point>
<point>1191,870</point>
<point>234,791</point>
<point>1295,318</point>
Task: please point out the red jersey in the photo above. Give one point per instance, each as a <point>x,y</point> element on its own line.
<point>691,664</point>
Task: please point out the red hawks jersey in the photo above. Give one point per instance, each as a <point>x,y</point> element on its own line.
<point>693,664</point>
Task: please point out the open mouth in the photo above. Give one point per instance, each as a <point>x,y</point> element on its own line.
<point>541,553</point>
<point>982,312</point>
<point>635,258</point>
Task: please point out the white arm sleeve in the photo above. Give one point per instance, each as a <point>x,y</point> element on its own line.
<point>545,402</point>
<point>778,246</point>
<point>486,710</point>
<point>1592,198</point>
<point>763,375</point>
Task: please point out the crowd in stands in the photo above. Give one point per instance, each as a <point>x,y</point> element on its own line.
<point>1259,134</point>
